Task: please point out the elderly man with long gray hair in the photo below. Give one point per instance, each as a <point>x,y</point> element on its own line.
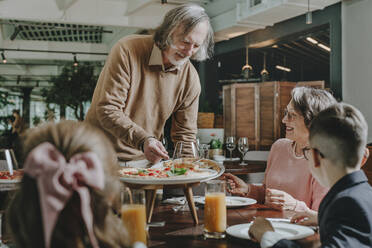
<point>147,79</point>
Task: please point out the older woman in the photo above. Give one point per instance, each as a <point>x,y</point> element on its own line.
<point>288,183</point>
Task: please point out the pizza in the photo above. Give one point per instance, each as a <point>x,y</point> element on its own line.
<point>144,172</point>
<point>173,169</point>
<point>17,175</point>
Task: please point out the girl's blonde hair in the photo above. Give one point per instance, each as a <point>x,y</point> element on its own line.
<point>24,216</point>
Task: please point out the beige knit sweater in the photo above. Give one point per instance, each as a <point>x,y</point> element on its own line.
<point>135,96</point>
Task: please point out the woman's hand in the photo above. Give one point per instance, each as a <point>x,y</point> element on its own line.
<point>279,199</point>
<point>235,185</point>
<point>308,218</point>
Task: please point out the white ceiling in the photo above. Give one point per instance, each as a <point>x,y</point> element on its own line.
<point>230,18</point>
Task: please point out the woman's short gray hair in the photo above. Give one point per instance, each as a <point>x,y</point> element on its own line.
<point>186,16</point>
<point>310,101</point>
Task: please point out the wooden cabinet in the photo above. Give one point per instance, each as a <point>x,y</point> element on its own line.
<point>255,110</point>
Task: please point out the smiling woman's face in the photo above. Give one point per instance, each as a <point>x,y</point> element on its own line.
<point>296,129</point>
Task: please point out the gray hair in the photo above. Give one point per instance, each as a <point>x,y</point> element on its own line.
<point>186,16</point>
<point>340,134</point>
<point>310,101</point>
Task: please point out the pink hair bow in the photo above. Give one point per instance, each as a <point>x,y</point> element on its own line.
<point>57,180</point>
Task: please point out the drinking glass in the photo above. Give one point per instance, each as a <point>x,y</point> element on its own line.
<point>133,214</point>
<point>8,161</point>
<point>243,147</point>
<point>185,150</point>
<point>204,151</point>
<point>164,142</point>
<point>230,144</point>
<point>215,209</point>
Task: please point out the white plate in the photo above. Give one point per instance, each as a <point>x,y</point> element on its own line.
<point>228,159</point>
<point>10,180</point>
<point>289,231</point>
<point>175,180</point>
<point>232,201</point>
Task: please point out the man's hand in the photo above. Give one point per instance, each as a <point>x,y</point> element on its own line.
<point>258,228</point>
<point>308,218</point>
<point>235,185</point>
<point>154,151</point>
<point>279,199</point>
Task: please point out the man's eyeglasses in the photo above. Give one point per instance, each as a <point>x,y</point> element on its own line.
<point>307,152</point>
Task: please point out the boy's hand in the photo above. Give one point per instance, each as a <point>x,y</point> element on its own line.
<point>279,199</point>
<point>235,185</point>
<point>258,228</point>
<point>309,218</point>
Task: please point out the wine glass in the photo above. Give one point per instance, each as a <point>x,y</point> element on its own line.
<point>164,142</point>
<point>8,161</point>
<point>243,147</point>
<point>204,151</point>
<point>184,152</point>
<point>230,145</point>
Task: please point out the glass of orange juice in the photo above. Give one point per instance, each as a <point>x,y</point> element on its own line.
<point>215,209</point>
<point>133,214</point>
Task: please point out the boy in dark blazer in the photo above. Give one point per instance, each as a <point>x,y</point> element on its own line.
<point>337,149</point>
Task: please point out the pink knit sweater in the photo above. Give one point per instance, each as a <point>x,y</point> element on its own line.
<point>287,172</point>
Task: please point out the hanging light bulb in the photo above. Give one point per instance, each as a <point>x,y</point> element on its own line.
<point>3,57</point>
<point>309,14</point>
<point>246,66</point>
<point>246,69</point>
<point>264,72</point>
<point>75,61</point>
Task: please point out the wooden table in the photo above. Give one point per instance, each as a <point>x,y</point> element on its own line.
<point>253,166</point>
<point>179,230</point>
<point>232,167</point>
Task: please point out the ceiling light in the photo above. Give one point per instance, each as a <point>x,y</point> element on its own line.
<point>275,46</point>
<point>309,14</point>
<point>312,40</point>
<point>264,71</point>
<point>246,66</point>
<point>75,61</point>
<point>3,57</point>
<point>328,49</point>
<point>283,68</point>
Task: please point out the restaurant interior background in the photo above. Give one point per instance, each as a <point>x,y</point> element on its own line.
<point>40,40</point>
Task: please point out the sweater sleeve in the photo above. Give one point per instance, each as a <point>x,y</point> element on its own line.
<point>112,100</point>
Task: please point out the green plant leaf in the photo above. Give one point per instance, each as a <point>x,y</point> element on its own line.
<point>215,144</point>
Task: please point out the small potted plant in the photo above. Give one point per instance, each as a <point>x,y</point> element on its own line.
<point>215,146</point>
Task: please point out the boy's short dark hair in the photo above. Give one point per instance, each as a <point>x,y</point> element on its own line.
<point>340,134</point>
